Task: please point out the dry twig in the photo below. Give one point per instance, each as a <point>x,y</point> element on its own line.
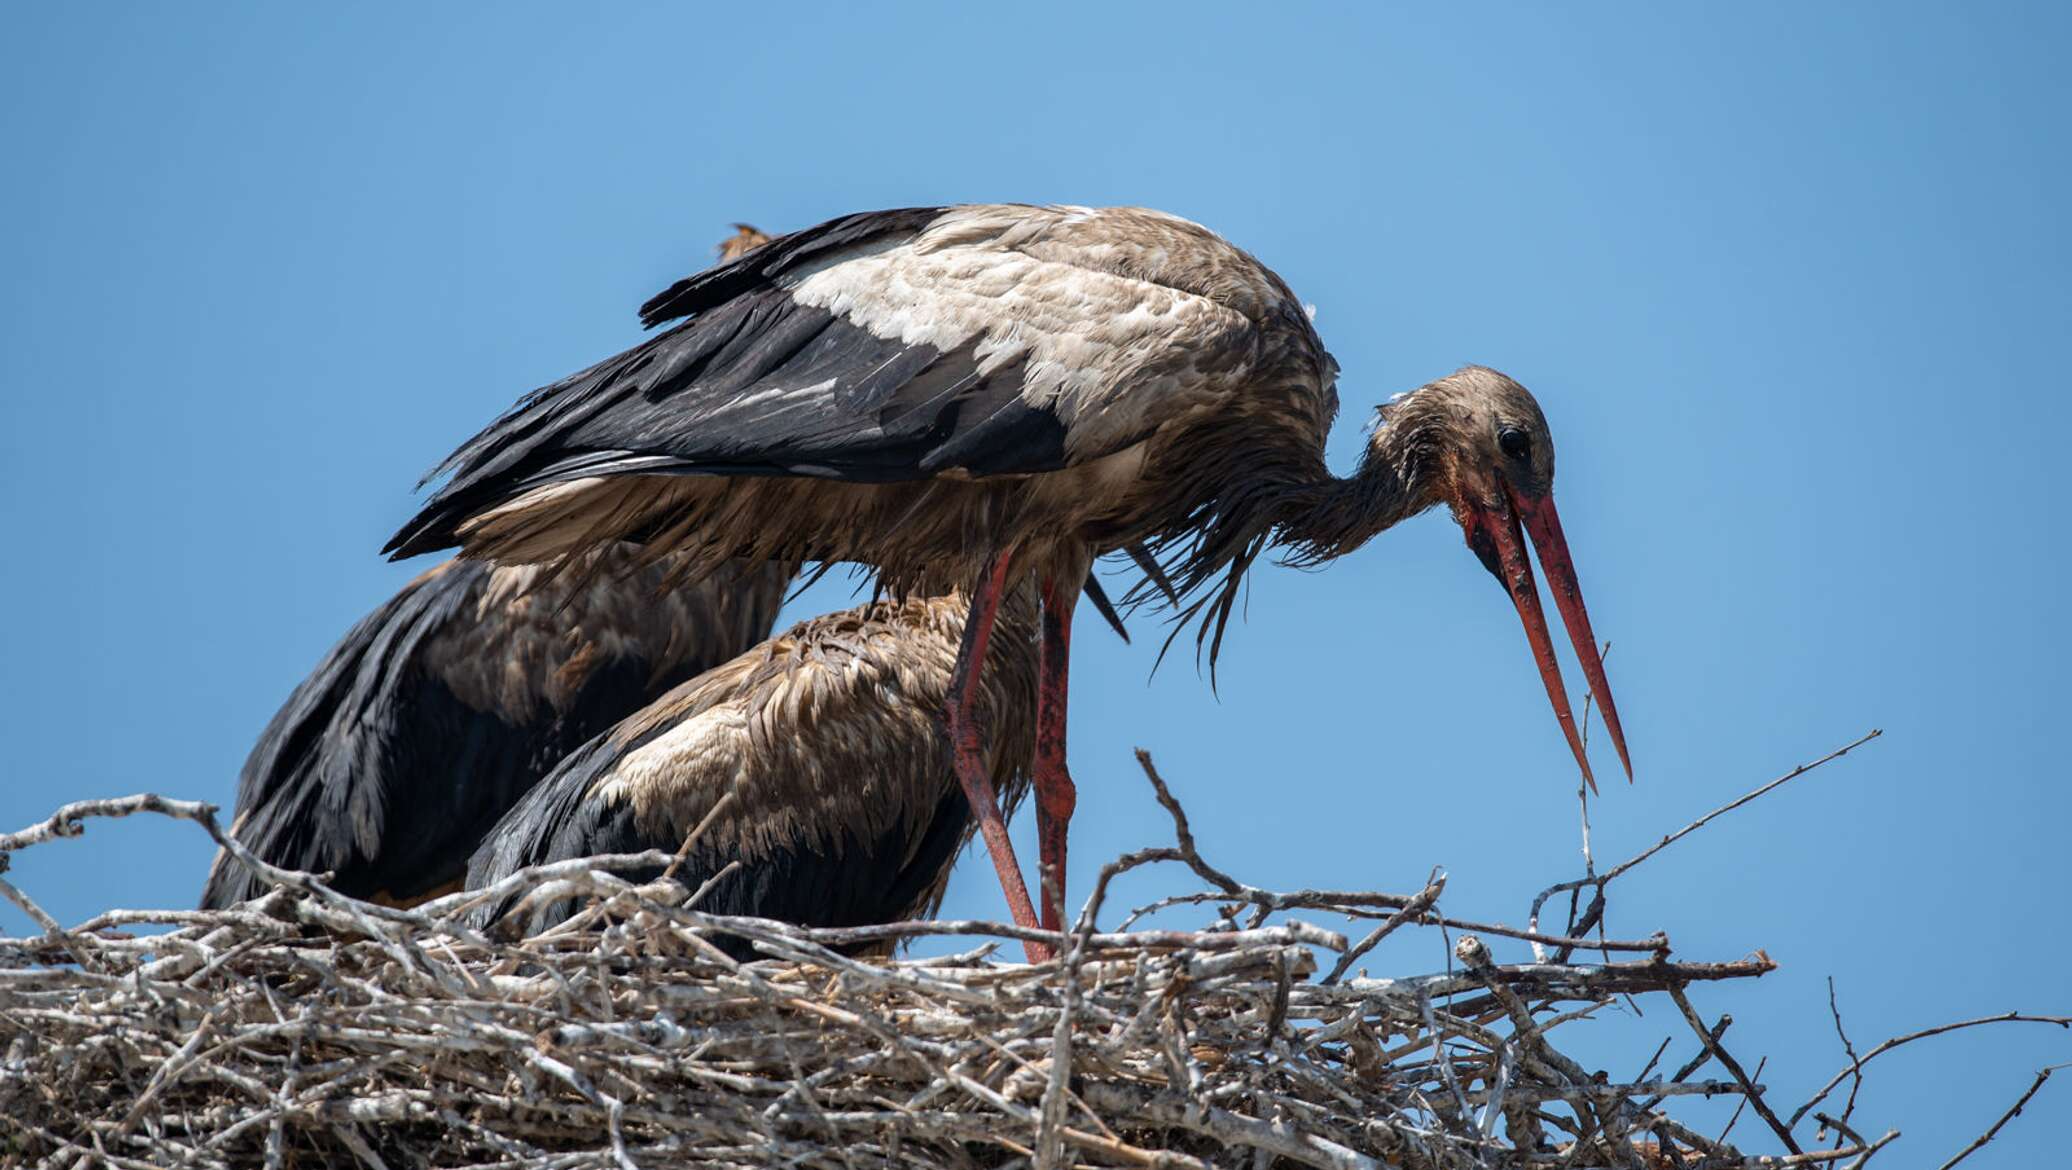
<point>2013,1111</point>
<point>305,1028</point>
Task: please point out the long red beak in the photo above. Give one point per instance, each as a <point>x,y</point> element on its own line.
<point>1498,541</point>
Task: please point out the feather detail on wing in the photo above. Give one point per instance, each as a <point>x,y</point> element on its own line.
<point>435,712</point>
<point>883,347</point>
<point>821,754</point>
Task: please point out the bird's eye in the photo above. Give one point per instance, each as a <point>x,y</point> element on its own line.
<point>1516,443</point>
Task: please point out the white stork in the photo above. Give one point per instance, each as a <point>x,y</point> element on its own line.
<point>436,712</point>
<point>965,397</point>
<point>429,719</point>
<point>819,758</point>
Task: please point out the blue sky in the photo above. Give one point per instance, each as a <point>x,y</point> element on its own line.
<point>1788,280</point>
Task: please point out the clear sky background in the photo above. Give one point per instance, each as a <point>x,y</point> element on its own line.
<point>1790,281</point>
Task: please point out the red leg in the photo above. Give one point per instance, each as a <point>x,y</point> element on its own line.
<point>969,750</point>
<point>1055,794</point>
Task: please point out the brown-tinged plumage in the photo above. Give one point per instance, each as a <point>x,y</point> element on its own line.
<point>970,396</point>
<point>823,750</point>
<point>744,240</point>
<point>435,713</point>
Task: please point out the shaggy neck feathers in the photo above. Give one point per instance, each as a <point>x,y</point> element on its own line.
<point>1397,478</point>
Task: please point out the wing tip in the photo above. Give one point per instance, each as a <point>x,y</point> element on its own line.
<point>427,532</point>
<point>753,265</point>
<point>660,308</point>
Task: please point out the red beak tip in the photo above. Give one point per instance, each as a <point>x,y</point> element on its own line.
<point>1625,761</point>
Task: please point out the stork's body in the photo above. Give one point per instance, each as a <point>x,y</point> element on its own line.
<point>917,390</point>
<point>435,713</point>
<point>968,396</point>
<point>824,752</point>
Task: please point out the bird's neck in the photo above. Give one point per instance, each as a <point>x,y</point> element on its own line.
<point>1396,480</point>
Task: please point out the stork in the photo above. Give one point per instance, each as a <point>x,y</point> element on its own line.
<point>429,719</point>
<point>436,712</point>
<point>968,396</point>
<point>816,764</point>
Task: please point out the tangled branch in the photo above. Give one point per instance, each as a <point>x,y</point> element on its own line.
<point>308,1028</point>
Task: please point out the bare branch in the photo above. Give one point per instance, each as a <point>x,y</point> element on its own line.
<point>307,1028</point>
<point>1856,1066</point>
<point>2013,1112</point>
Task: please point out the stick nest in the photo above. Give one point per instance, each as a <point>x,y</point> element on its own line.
<point>309,1029</point>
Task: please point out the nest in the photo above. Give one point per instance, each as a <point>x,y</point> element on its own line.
<point>305,1028</point>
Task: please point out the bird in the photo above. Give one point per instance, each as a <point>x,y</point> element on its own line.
<point>815,767</point>
<point>432,716</point>
<point>746,238</point>
<point>437,711</point>
<point>962,397</point>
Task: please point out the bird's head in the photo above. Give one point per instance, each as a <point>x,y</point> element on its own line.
<point>1476,441</point>
<point>746,238</point>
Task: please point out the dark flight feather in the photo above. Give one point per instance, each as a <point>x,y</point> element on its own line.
<point>864,879</point>
<point>1104,606</point>
<point>701,291</point>
<point>296,799</point>
<point>754,384</point>
<point>377,768</point>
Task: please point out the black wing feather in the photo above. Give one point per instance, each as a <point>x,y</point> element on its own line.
<point>755,383</point>
<point>865,882</point>
<point>702,290</point>
<point>376,770</point>
<point>297,803</point>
